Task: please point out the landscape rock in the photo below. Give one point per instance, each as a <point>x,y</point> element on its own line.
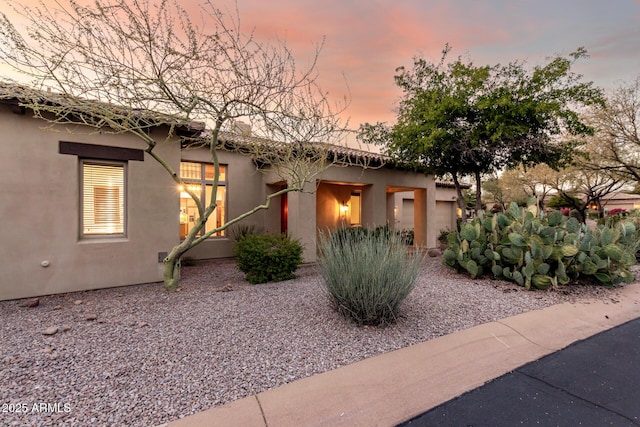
<point>434,252</point>
<point>90,316</point>
<point>51,330</point>
<point>33,302</point>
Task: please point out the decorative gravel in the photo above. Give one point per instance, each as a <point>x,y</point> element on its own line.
<point>141,356</point>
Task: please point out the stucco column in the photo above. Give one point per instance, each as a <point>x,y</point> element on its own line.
<point>424,220</point>
<point>420,217</point>
<point>432,226</point>
<point>374,205</point>
<point>301,222</point>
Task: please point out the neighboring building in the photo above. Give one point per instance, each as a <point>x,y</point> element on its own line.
<point>620,200</point>
<point>446,210</point>
<point>92,210</point>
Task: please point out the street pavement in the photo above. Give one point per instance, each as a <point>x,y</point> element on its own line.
<point>593,382</point>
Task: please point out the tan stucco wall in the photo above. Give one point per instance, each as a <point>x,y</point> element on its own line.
<point>328,200</point>
<point>39,213</point>
<point>446,208</point>
<point>628,204</point>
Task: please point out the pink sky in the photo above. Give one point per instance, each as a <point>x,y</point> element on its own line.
<point>367,40</point>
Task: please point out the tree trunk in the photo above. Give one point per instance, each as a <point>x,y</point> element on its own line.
<point>478,193</point>
<point>172,265</point>
<point>582,215</point>
<point>171,273</point>
<point>600,209</point>
<point>461,203</point>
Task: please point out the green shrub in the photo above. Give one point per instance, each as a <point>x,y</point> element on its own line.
<point>444,236</point>
<point>407,235</point>
<point>242,230</point>
<point>367,274</point>
<point>533,250</point>
<point>187,261</point>
<point>268,257</point>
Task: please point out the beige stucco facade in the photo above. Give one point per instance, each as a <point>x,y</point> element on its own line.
<point>43,251</point>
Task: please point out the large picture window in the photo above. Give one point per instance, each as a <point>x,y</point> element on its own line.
<point>199,179</point>
<point>103,196</point>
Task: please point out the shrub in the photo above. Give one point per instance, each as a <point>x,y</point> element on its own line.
<point>618,211</point>
<point>187,261</point>
<point>558,201</point>
<point>242,230</point>
<point>268,257</point>
<point>367,274</point>
<point>542,251</point>
<point>407,236</point>
<point>444,236</point>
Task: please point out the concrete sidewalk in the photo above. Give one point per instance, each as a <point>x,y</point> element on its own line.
<point>394,387</point>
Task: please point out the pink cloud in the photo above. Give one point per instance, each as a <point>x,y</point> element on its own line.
<point>366,41</point>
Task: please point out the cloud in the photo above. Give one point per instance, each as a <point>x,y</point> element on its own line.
<point>366,40</point>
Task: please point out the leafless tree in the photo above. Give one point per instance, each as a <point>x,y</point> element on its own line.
<point>127,66</point>
<point>618,132</point>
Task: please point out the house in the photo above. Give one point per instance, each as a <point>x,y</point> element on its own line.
<point>446,209</point>
<point>620,200</point>
<point>86,210</point>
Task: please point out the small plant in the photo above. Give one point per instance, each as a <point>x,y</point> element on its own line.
<point>407,236</point>
<point>187,261</point>
<point>443,236</point>
<point>242,230</point>
<point>268,257</point>
<point>367,274</point>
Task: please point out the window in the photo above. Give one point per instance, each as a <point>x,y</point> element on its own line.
<point>199,179</point>
<point>102,198</point>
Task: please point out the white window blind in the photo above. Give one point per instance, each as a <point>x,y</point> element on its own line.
<point>103,198</point>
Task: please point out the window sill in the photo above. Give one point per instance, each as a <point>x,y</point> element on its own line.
<point>102,239</point>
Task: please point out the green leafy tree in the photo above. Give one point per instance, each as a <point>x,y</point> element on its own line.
<point>457,119</point>
<point>128,66</point>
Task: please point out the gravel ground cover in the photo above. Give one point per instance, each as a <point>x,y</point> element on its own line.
<point>141,356</point>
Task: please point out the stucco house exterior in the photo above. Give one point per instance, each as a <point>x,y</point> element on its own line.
<point>621,200</point>
<point>85,210</point>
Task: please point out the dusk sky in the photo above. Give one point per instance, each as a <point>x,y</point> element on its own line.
<point>365,41</point>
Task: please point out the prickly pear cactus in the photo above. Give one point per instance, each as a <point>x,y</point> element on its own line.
<point>525,246</point>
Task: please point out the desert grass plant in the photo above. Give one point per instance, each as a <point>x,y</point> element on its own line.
<point>367,275</point>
